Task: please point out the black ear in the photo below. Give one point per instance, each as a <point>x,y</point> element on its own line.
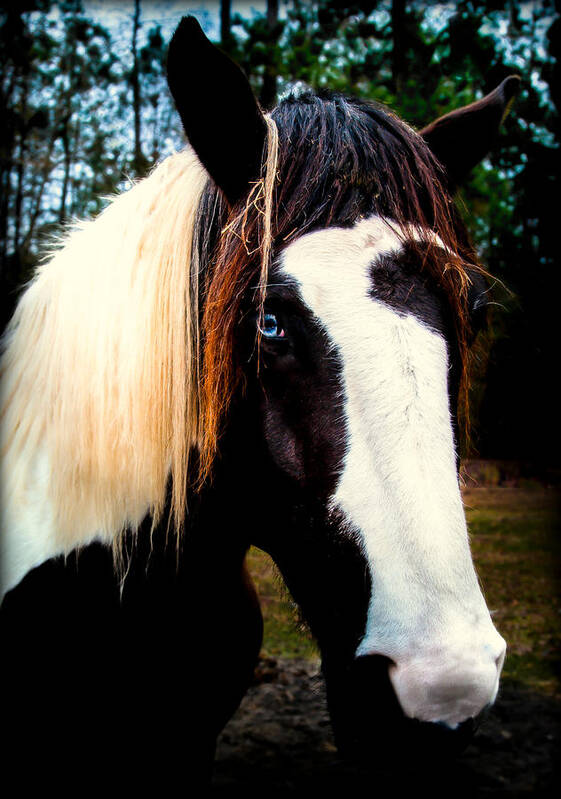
<point>463,137</point>
<point>220,114</point>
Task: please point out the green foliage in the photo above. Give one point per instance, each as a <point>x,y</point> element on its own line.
<point>424,60</point>
<point>55,75</point>
<point>66,139</point>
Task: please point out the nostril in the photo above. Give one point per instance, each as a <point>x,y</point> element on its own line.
<point>372,662</point>
<point>371,682</point>
<point>500,659</point>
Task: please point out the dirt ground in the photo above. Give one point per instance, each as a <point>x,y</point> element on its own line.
<point>280,743</point>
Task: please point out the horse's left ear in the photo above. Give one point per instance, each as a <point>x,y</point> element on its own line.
<point>220,114</point>
<point>463,137</point>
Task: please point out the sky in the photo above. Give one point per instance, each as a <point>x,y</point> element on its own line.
<point>167,13</point>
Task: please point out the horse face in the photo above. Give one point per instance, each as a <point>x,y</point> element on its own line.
<point>355,393</point>
<point>357,373</point>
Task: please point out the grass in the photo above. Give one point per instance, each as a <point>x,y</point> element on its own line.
<point>284,634</point>
<point>517,551</point>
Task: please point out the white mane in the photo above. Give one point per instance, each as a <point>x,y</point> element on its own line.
<point>99,398</point>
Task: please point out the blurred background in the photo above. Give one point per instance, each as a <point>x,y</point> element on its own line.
<point>85,109</point>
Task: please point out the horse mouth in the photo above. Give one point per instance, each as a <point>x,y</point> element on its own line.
<point>420,742</point>
<point>371,729</point>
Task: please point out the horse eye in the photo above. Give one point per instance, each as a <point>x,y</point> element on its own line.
<point>270,327</point>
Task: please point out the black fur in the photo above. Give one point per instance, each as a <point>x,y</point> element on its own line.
<point>220,115</point>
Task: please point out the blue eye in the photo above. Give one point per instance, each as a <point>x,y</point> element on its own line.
<point>270,327</point>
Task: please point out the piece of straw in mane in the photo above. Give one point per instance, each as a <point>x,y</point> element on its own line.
<point>242,257</point>
<point>99,364</point>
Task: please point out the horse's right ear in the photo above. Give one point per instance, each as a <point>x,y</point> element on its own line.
<point>220,114</point>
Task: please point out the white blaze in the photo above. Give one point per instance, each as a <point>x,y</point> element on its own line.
<point>398,489</point>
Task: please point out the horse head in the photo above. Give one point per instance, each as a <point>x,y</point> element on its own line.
<point>350,346</point>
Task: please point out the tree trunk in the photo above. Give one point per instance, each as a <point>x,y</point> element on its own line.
<point>42,182</point>
<point>66,178</point>
<point>399,40</point>
<point>7,147</point>
<point>226,24</point>
<point>139,162</point>
<point>20,161</point>
<point>268,94</point>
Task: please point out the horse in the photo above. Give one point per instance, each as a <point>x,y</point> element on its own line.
<point>264,342</point>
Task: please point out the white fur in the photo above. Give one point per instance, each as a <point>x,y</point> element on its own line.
<point>26,512</point>
<point>99,396</point>
<point>398,489</point>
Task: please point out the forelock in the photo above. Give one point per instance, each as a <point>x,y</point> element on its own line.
<point>338,160</point>
<point>342,158</point>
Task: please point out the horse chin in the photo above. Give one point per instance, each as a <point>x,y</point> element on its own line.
<point>422,745</point>
<point>371,729</point>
